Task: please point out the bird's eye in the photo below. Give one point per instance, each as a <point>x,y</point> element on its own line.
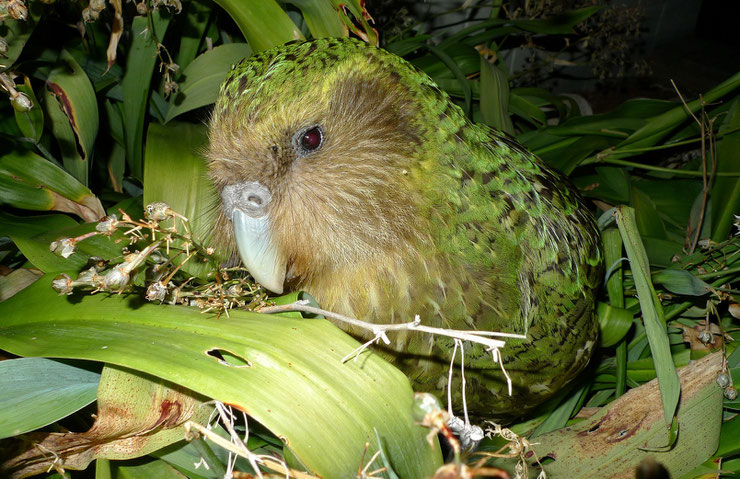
<point>308,139</point>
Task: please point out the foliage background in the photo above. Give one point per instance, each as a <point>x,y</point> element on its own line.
<point>117,114</point>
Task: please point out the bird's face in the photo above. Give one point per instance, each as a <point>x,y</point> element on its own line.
<point>312,159</point>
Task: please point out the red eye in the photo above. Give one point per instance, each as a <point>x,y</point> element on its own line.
<point>311,139</point>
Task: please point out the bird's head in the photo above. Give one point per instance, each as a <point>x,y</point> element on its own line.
<point>316,150</point>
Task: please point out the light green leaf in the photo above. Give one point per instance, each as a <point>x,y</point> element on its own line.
<point>140,63</point>
<point>35,392</point>
<point>203,77</point>
<point>176,174</point>
<point>614,323</point>
<point>296,380</point>
<point>559,417</point>
<point>520,105</point>
<point>264,24</point>
<point>322,18</point>
<point>652,312</point>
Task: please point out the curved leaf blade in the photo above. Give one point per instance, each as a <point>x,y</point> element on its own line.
<point>264,24</point>
<point>296,385</point>
<point>71,98</point>
<point>203,77</point>
<point>652,312</point>
<point>35,392</point>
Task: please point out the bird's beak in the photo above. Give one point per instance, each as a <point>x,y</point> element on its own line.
<point>246,205</point>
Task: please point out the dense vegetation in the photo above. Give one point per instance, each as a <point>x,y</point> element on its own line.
<point>106,111</point>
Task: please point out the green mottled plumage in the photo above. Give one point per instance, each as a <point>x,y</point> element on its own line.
<point>408,208</point>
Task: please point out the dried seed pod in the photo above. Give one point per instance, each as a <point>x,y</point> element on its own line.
<point>62,284</point>
<point>156,292</point>
<point>706,337</point>
<point>63,247</point>
<point>108,224</point>
<point>116,279</point>
<point>723,379</point>
<point>731,393</point>
<point>89,15</point>
<point>17,10</point>
<point>158,211</point>
<point>21,103</point>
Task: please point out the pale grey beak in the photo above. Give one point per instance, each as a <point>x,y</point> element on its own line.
<point>245,204</point>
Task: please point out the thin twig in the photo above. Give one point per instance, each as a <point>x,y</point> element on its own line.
<point>380,330</point>
<point>473,336</point>
<point>706,126</point>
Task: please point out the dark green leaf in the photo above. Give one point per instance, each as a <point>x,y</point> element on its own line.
<point>682,282</point>
<point>725,194</point>
<point>31,123</point>
<point>494,97</point>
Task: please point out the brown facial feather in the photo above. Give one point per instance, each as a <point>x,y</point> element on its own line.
<point>358,173</point>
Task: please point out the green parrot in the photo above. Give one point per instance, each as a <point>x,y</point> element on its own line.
<point>345,172</point>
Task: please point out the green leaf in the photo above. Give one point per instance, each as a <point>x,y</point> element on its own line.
<point>614,323</point>
<point>72,106</point>
<point>296,382</point>
<point>136,81</point>
<point>680,281</point>
<point>264,24</point>
<point>729,441</point>
<point>32,235</point>
<point>30,122</point>
<point>648,220</point>
<point>652,312</point>
<point>609,443</point>
<point>35,392</point>
<point>494,97</point>
<point>660,126</point>
<point>558,24</point>
<point>521,106</point>
<point>145,470</point>
<point>725,195</point>
<point>15,33</point>
<point>559,417</point>
<point>450,63</point>
<point>203,77</point>
<point>196,18</point>
<point>176,174</point>
<point>321,17</point>
<point>30,182</point>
